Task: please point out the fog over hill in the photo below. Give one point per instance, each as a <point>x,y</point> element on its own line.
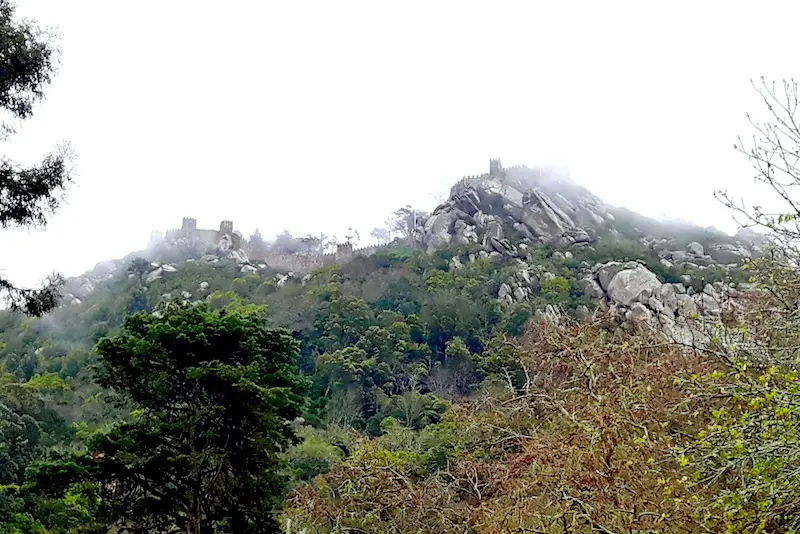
<point>310,151</point>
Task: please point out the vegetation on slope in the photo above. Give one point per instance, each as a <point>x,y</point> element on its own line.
<point>411,366</point>
<point>391,394</point>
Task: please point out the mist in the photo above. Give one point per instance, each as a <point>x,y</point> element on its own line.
<point>324,117</point>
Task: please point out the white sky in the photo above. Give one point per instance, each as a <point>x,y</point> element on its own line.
<point>319,115</point>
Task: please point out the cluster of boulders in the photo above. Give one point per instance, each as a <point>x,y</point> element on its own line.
<point>281,279</point>
<point>238,256</point>
<point>633,294</point>
<point>188,248</point>
<point>533,203</point>
<point>185,296</point>
<point>158,272</point>
<point>627,291</point>
<point>632,290</point>
<point>78,288</point>
<point>696,256</point>
<point>507,211</point>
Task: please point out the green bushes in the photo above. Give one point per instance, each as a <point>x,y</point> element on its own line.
<point>556,287</point>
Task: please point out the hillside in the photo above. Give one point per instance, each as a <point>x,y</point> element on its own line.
<point>429,356</point>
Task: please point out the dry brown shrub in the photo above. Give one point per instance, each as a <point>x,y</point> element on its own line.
<point>584,446</point>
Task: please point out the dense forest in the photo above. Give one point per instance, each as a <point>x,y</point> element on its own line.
<point>411,399</point>
<point>416,389</point>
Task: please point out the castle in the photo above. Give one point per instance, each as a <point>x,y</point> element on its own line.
<point>301,263</point>
<point>189,230</point>
<point>518,176</point>
<point>289,261</point>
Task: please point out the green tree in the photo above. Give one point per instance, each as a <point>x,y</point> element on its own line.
<point>213,396</point>
<point>138,302</point>
<point>26,419</point>
<point>748,453</point>
<point>139,267</point>
<point>402,221</point>
<point>28,194</point>
<point>415,410</point>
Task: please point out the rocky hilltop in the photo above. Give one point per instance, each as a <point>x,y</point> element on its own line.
<point>531,218</point>
<point>541,205</point>
<point>664,274</point>
<point>538,206</point>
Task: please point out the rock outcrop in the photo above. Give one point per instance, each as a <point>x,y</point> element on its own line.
<point>633,294</point>
<point>628,285</point>
<point>541,205</point>
<point>509,210</point>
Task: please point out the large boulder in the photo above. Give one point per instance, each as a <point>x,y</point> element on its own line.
<point>104,268</point>
<point>639,312</point>
<point>707,304</point>
<point>505,293</point>
<point>154,275</point>
<point>239,256</point>
<point>667,295</point>
<point>225,243</point>
<point>626,286</point>
<point>591,288</point>
<point>685,306</point>
<point>606,272</point>
<point>695,248</point>
<point>437,230</point>
<point>520,294</point>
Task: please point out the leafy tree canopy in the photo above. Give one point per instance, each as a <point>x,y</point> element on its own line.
<point>28,194</point>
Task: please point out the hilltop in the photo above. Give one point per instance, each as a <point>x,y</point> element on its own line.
<point>506,211</point>
<point>534,224</point>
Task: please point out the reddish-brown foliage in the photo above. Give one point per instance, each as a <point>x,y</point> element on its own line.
<point>584,446</point>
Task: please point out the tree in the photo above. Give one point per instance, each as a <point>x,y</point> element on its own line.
<point>403,220</point>
<point>257,245</point>
<point>382,235</point>
<point>139,267</point>
<point>138,302</point>
<point>25,418</point>
<point>748,451</point>
<point>256,238</point>
<point>213,396</point>
<point>318,244</point>
<point>352,235</point>
<point>28,194</point>
<point>774,152</point>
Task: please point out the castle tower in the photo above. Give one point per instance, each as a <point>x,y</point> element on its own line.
<point>344,251</point>
<point>226,227</point>
<point>495,168</point>
<point>188,225</point>
<point>155,238</point>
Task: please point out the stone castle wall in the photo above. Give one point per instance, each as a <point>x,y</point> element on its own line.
<point>211,237</point>
<point>293,262</point>
<point>496,171</point>
<point>297,262</point>
<point>308,262</point>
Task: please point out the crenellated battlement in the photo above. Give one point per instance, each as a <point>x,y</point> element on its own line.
<point>189,224</point>
<point>496,172</point>
<point>495,168</point>
<point>189,230</point>
<point>308,262</point>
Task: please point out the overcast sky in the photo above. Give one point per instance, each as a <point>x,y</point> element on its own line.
<point>316,116</point>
